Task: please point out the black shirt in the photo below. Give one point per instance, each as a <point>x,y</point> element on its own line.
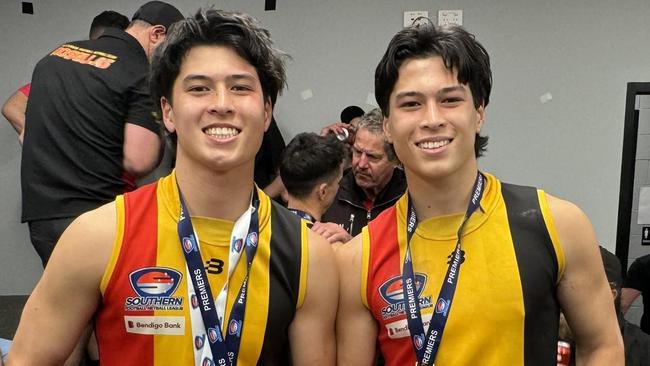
<point>638,277</point>
<point>348,208</point>
<point>267,160</point>
<point>82,95</point>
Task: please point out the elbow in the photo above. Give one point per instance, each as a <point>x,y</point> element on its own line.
<point>139,167</point>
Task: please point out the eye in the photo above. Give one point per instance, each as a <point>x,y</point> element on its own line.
<point>409,104</point>
<point>452,100</point>
<point>241,87</point>
<point>197,88</point>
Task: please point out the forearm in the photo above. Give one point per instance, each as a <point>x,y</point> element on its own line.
<point>275,188</point>
<point>15,117</point>
<point>14,111</point>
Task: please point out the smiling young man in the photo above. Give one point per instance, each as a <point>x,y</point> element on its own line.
<point>200,268</point>
<point>464,269</point>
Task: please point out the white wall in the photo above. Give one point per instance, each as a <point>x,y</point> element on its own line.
<point>583,52</point>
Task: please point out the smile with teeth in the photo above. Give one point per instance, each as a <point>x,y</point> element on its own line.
<point>221,132</point>
<point>433,144</point>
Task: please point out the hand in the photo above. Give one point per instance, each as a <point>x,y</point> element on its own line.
<point>21,136</point>
<point>333,232</point>
<point>335,128</point>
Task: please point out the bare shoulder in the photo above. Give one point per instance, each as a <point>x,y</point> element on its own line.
<point>573,226</point>
<point>319,247</point>
<point>349,254</point>
<point>564,210</point>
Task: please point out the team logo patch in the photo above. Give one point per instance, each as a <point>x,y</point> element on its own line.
<point>155,281</point>
<point>392,293</point>
<point>194,301</point>
<point>418,341</point>
<point>154,287</point>
<point>199,341</point>
<point>251,239</point>
<point>214,335</point>
<point>442,306</point>
<point>207,362</point>
<point>237,245</point>
<point>188,245</point>
<point>234,328</point>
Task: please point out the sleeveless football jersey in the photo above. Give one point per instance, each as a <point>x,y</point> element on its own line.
<point>144,315</point>
<point>505,310</point>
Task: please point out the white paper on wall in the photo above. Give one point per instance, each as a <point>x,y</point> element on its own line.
<point>644,206</point>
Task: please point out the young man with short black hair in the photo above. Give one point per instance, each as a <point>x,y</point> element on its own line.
<point>200,268</point>
<point>488,263</point>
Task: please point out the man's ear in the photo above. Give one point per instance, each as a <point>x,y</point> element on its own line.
<point>157,34</point>
<point>386,125</point>
<point>481,118</point>
<point>268,113</point>
<point>322,191</point>
<point>167,114</point>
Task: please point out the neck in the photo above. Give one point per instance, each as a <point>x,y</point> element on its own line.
<point>141,35</point>
<point>223,195</point>
<point>372,193</point>
<point>438,197</point>
<point>306,205</point>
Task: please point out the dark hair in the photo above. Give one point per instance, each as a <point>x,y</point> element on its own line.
<point>107,19</point>
<point>460,51</point>
<point>309,160</point>
<point>239,31</point>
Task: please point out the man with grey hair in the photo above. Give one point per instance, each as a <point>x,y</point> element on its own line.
<point>372,184</point>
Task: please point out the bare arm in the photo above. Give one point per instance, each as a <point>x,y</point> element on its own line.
<point>628,295</point>
<point>67,295</point>
<point>142,150</point>
<point>311,333</point>
<point>583,291</point>
<point>356,329</point>
<point>14,111</point>
<point>275,188</point>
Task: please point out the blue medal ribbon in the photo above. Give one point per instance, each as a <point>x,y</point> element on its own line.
<point>224,347</point>
<point>303,215</point>
<point>426,346</point>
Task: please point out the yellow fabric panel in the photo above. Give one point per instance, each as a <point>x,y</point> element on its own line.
<point>168,252</point>
<point>117,244</point>
<point>257,303</point>
<point>365,260</point>
<point>214,238</point>
<point>489,255</point>
<point>552,232</point>
<point>304,260</point>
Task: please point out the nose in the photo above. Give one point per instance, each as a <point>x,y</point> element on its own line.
<point>363,161</point>
<point>221,103</point>
<point>433,117</point>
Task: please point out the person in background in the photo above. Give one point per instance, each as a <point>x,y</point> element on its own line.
<point>14,107</point>
<point>636,342</point>
<point>637,283</point>
<point>373,183</point>
<point>311,169</point>
<point>89,121</point>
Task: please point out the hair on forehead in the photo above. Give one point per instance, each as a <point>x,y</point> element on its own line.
<point>238,31</point>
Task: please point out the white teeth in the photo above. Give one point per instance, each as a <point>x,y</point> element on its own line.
<point>222,132</point>
<point>433,144</point>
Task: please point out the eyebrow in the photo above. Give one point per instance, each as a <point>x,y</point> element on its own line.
<point>442,91</point>
<point>201,77</point>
